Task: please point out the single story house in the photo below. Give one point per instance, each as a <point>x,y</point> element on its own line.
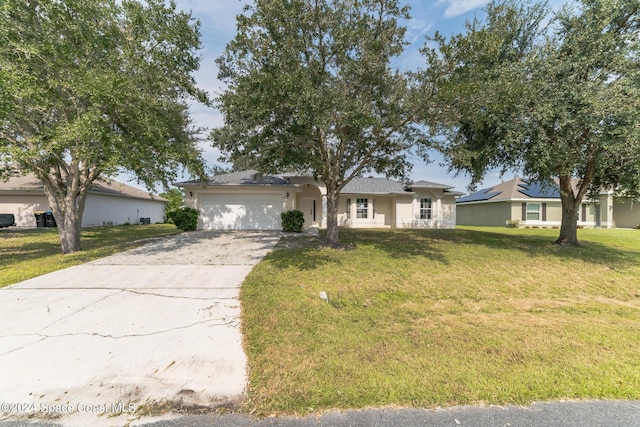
<point>532,203</point>
<point>246,200</point>
<point>108,203</point>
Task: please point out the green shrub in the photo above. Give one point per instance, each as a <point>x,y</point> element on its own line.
<point>292,221</point>
<point>183,218</point>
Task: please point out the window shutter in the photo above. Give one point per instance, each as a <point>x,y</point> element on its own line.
<point>584,213</point>
<point>544,212</point>
<point>524,211</point>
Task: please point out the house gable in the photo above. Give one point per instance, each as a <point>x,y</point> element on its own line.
<point>529,203</point>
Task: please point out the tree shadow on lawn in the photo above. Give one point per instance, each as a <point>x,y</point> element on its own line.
<point>21,251</point>
<point>308,253</point>
<point>33,244</point>
<point>305,253</point>
<point>534,244</point>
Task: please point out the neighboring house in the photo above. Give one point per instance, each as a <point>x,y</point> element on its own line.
<point>245,200</point>
<point>535,204</point>
<point>108,203</point>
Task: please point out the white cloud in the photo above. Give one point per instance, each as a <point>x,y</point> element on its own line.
<point>416,29</point>
<point>460,7</point>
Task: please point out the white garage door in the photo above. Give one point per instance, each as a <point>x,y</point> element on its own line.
<point>241,211</point>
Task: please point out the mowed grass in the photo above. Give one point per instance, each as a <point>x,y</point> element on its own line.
<point>445,317</point>
<point>27,253</point>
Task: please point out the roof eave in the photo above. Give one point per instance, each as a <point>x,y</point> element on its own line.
<point>232,184</point>
<point>377,193</point>
<point>438,186</point>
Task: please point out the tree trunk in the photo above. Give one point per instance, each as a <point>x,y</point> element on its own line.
<point>569,227</point>
<point>332,215</point>
<point>67,205</point>
<point>69,231</point>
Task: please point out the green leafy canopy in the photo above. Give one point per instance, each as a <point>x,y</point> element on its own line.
<point>310,88</point>
<point>91,88</point>
<point>554,95</point>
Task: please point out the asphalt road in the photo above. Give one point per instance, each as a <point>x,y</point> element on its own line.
<point>552,414</point>
<point>556,414</point>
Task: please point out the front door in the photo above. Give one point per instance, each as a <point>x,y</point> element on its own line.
<point>308,208</point>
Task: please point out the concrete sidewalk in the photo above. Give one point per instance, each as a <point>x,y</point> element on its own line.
<point>158,325</point>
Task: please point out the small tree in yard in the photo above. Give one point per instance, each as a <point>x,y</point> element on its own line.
<point>175,198</point>
<point>310,88</point>
<point>557,102</point>
<point>92,88</point>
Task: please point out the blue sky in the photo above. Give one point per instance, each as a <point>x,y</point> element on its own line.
<point>218,28</point>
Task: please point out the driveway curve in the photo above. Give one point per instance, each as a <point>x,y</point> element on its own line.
<point>153,327</point>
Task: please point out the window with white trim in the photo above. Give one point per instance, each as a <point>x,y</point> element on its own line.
<point>426,209</point>
<point>533,211</point>
<point>362,208</point>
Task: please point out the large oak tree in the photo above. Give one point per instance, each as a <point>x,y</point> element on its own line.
<point>92,88</point>
<point>310,88</point>
<point>555,95</point>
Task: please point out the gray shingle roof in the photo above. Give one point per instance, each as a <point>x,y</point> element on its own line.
<point>373,185</point>
<point>384,185</point>
<point>430,184</point>
<point>250,177</point>
<point>355,186</point>
<point>29,183</point>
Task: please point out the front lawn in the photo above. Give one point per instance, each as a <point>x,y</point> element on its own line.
<point>27,253</point>
<point>444,317</point>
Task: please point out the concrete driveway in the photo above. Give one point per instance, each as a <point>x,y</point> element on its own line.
<point>156,326</point>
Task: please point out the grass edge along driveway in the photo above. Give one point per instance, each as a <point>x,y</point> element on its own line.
<point>429,318</point>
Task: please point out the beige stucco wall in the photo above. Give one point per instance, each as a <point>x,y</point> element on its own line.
<point>304,202</point>
<point>498,213</point>
<point>22,207</point>
<point>485,214</point>
<point>306,181</point>
<point>99,209</point>
<point>554,214</point>
<point>404,211</point>
<point>443,208</point>
<point>106,210</point>
<point>384,210</point>
<point>626,214</point>
<point>383,206</point>
<point>449,212</point>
